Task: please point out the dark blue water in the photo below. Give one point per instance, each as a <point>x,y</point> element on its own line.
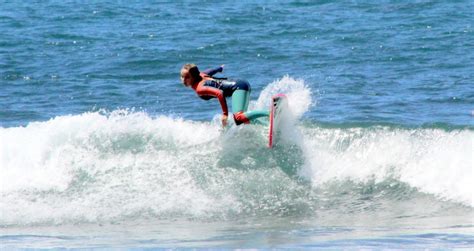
<point>96,130</point>
<point>387,62</point>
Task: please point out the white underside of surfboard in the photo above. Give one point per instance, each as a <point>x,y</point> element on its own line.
<point>279,104</point>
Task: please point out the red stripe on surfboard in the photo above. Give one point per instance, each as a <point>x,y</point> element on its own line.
<point>272,112</point>
<point>270,132</point>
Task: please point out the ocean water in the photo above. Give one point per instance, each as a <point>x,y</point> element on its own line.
<point>102,147</point>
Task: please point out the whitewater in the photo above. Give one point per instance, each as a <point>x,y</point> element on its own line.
<point>125,165</point>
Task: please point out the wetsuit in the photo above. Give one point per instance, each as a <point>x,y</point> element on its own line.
<point>239,90</point>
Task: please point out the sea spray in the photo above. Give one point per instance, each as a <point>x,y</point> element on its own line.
<point>298,93</point>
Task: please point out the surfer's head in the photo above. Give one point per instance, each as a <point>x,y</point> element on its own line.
<point>190,74</point>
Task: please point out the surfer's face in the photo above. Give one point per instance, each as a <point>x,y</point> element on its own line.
<point>186,78</point>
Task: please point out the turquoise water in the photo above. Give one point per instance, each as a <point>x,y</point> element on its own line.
<point>102,146</point>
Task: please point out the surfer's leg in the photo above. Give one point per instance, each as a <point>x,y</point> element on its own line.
<point>250,117</point>
<point>240,101</point>
<point>253,116</point>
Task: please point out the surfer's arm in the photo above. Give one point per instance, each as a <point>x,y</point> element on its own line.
<point>211,72</point>
<point>214,92</point>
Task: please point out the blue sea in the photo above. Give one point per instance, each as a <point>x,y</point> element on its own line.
<point>101,146</point>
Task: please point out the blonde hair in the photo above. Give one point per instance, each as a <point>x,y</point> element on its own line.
<point>192,69</point>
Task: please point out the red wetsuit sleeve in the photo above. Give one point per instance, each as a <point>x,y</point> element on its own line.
<point>214,92</point>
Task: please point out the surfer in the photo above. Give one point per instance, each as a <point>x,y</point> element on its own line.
<point>208,87</point>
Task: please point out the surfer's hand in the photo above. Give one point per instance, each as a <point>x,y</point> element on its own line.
<point>224,120</point>
<point>222,66</point>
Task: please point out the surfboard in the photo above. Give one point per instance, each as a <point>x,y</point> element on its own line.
<point>279,103</point>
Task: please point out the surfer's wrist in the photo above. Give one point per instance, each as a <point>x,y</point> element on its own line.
<point>224,120</point>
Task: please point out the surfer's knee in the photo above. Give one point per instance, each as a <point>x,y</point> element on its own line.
<point>240,118</point>
<point>242,85</point>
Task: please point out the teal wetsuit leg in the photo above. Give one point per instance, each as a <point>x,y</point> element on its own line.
<point>255,114</point>
<point>240,102</point>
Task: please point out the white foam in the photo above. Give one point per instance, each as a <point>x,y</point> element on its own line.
<point>432,160</point>
<point>94,166</point>
<point>299,102</point>
<point>97,166</point>
<point>298,93</point>
<point>36,156</point>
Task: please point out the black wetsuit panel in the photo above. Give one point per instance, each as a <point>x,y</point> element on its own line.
<point>227,86</point>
